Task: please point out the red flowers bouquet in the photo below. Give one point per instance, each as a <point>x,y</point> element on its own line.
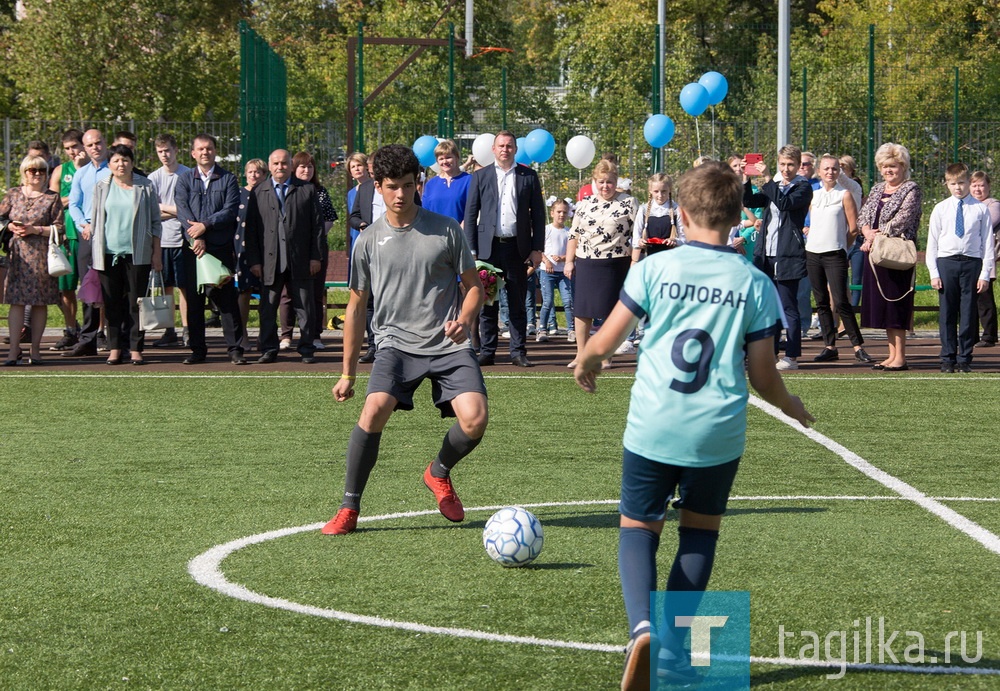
<point>492,279</point>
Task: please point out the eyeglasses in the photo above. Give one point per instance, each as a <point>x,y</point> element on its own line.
<point>36,171</point>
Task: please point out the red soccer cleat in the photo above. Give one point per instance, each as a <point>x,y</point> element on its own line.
<point>346,521</point>
<point>449,504</point>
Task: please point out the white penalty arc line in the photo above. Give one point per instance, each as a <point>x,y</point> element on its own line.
<point>206,570</point>
<point>956,520</point>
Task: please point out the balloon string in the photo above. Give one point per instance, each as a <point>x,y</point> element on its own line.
<point>697,131</point>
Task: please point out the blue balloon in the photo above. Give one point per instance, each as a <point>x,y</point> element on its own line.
<point>522,156</point>
<point>716,86</point>
<point>658,130</point>
<point>424,150</point>
<point>540,145</point>
<point>694,99</point>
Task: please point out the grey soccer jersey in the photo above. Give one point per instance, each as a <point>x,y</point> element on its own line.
<point>413,274</point>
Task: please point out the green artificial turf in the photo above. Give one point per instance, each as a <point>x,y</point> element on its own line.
<point>110,486</point>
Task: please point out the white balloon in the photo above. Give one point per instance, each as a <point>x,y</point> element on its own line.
<point>580,151</point>
<point>482,149</point>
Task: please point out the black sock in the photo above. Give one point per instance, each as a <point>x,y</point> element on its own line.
<point>456,446</point>
<point>695,555</point>
<point>362,452</point>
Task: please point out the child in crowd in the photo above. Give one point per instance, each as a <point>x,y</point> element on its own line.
<point>551,275</point>
<point>692,375</point>
<point>960,259</point>
<point>656,224</point>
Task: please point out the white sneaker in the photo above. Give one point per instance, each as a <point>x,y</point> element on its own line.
<point>542,336</point>
<point>285,344</point>
<point>786,363</point>
<point>571,337</point>
<point>505,334</point>
<point>318,345</point>
<point>625,348</point>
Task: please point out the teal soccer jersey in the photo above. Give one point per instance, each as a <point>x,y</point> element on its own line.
<point>689,399</point>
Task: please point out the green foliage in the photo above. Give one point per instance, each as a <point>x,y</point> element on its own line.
<point>80,59</point>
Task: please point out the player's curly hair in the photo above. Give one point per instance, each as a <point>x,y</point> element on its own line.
<point>712,195</point>
<point>393,162</point>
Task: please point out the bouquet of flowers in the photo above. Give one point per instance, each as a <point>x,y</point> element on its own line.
<point>492,279</point>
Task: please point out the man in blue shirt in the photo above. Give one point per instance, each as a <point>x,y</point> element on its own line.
<point>709,311</point>
<point>81,201</point>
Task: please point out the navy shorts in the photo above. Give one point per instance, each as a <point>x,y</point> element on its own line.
<point>648,485</point>
<point>399,374</point>
<point>173,267</point>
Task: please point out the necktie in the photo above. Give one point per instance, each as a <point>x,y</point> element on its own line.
<point>280,191</point>
<point>960,220</point>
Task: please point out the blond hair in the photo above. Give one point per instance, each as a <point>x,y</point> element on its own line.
<point>665,179</point>
<point>893,153</point>
<point>34,162</point>
<point>711,195</point>
<point>605,169</point>
<point>446,147</point>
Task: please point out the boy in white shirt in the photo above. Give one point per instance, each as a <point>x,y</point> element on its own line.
<point>960,258</point>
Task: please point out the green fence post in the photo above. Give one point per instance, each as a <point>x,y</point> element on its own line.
<point>872,177</point>
<point>451,81</point>
<point>805,102</point>
<point>656,164</point>
<point>359,138</point>
<point>503,97</point>
<point>955,119</point>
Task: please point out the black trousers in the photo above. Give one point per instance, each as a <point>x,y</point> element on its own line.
<point>830,269</point>
<point>958,307</point>
<point>225,298</point>
<point>123,284</point>
<point>515,273</point>
<point>988,314</point>
<point>300,292</point>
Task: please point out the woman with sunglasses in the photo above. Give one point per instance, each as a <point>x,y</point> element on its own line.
<point>29,214</point>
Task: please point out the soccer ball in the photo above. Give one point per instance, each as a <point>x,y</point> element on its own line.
<point>513,536</point>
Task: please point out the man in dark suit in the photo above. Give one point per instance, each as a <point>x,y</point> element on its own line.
<point>207,199</point>
<point>368,208</point>
<point>505,225</point>
<point>284,239</point>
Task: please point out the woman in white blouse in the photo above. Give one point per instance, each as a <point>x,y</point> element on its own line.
<point>599,251</point>
<point>834,219</point>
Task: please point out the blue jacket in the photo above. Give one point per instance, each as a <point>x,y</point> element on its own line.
<point>793,205</point>
<point>216,206</point>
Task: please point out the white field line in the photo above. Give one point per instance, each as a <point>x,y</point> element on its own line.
<point>956,520</point>
<point>206,569</point>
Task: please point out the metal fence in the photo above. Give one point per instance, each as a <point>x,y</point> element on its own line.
<point>931,143</point>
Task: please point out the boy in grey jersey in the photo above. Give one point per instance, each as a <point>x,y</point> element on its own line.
<point>409,260</point>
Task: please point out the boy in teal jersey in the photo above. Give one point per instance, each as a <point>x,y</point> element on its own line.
<point>709,310</point>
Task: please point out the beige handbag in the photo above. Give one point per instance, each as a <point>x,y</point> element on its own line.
<point>58,262</point>
<point>892,252</point>
<point>156,309</point>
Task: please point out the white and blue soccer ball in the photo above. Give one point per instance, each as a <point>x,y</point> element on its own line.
<point>513,536</point>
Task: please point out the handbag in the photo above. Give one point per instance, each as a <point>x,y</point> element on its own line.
<point>893,252</point>
<point>156,309</point>
<point>59,264</point>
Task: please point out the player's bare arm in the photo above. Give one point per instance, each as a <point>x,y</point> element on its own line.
<point>458,330</point>
<point>354,331</point>
<point>768,383</point>
<point>602,345</point>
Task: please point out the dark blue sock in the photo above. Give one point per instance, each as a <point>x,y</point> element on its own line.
<point>637,570</point>
<point>695,555</point>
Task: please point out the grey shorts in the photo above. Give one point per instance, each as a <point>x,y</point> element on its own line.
<point>399,374</point>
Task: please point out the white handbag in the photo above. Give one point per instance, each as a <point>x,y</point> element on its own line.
<point>156,310</point>
<point>59,264</point>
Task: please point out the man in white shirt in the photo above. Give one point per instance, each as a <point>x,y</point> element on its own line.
<point>164,181</point>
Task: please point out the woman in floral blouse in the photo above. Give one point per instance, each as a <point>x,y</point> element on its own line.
<point>599,251</point>
<point>893,208</point>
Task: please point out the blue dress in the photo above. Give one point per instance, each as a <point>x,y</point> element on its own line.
<point>445,199</point>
